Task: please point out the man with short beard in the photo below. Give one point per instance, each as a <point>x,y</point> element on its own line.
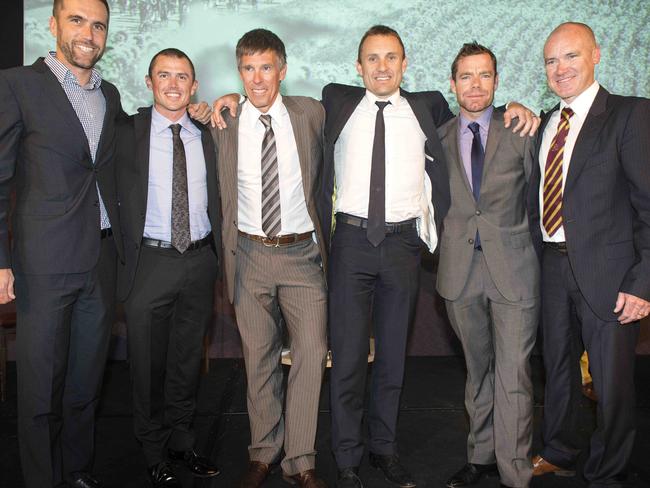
<point>56,146</point>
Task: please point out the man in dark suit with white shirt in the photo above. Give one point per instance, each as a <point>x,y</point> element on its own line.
<point>590,207</point>
<point>169,206</point>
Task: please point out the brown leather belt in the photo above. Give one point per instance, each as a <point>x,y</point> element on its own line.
<point>278,240</point>
<point>557,246</point>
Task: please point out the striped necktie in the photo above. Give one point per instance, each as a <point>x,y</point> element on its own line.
<point>271,223</point>
<point>552,218</point>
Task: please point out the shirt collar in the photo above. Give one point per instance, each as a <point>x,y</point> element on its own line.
<point>63,73</point>
<point>582,103</point>
<point>160,123</point>
<point>395,99</point>
<point>251,115</point>
<point>483,120</point>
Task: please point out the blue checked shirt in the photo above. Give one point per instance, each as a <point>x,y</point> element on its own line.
<point>90,106</point>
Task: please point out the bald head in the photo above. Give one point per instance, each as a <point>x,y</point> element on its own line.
<point>570,56</point>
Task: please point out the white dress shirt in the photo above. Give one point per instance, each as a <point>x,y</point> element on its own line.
<point>294,216</point>
<point>408,189</point>
<point>580,107</point>
<point>158,223</point>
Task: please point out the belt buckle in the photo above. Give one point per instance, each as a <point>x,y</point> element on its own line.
<point>268,241</point>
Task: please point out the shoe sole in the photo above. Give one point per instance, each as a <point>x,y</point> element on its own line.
<point>376,466</point>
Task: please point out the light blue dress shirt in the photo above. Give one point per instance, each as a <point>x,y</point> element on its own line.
<point>158,223</point>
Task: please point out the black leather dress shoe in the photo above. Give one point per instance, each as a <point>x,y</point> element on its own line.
<point>81,479</point>
<point>162,476</point>
<point>393,470</point>
<point>200,466</point>
<point>471,474</point>
<point>349,478</point>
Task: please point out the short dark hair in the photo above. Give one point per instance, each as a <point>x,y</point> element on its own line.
<point>380,30</point>
<point>58,5</point>
<point>174,53</point>
<point>471,49</point>
<point>259,41</point>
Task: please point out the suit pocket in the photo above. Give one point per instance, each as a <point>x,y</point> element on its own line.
<point>44,208</point>
<point>618,250</point>
<point>520,240</point>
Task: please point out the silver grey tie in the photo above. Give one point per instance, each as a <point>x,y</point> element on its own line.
<point>180,206</point>
<point>271,222</point>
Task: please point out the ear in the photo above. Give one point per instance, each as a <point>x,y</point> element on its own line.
<point>147,80</point>
<point>53,25</point>
<point>283,72</point>
<point>404,65</point>
<point>452,85</point>
<point>359,69</point>
<point>496,82</point>
<point>595,55</point>
<point>195,87</point>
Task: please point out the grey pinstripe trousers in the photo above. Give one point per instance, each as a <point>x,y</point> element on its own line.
<point>287,280</point>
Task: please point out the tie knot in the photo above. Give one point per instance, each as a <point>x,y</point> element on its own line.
<point>381,105</point>
<point>176,129</point>
<point>567,113</point>
<point>474,127</point>
<point>266,120</point>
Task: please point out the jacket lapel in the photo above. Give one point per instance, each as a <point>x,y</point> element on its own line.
<point>142,126</point>
<point>424,119</point>
<point>587,136</point>
<point>296,115</point>
<point>55,95</point>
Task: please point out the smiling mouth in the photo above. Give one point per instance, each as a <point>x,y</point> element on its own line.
<point>173,95</point>
<point>85,48</point>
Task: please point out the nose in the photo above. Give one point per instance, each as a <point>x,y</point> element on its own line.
<point>257,77</point>
<point>382,64</point>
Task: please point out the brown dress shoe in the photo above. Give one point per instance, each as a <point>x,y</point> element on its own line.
<point>255,475</point>
<point>542,466</point>
<point>306,479</point>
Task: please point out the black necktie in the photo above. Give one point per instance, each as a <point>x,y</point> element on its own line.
<point>376,231</point>
<point>180,206</point>
<point>477,167</point>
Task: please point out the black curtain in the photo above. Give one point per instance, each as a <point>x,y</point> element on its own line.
<point>11,34</point>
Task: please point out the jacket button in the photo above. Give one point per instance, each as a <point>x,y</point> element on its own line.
<point>470,241</point>
<point>478,212</point>
<point>232,251</point>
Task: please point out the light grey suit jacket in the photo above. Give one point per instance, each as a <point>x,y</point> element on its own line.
<point>307,118</point>
<point>500,215</point>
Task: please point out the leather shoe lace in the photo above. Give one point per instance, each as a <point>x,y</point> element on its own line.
<point>471,474</point>
<point>162,476</point>
<point>393,470</point>
<point>81,479</point>
<point>200,466</point>
<point>349,478</point>
<point>306,479</point>
<point>255,475</point>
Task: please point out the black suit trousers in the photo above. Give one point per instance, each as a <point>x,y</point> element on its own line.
<point>378,287</point>
<point>568,325</point>
<point>63,334</point>
<point>168,313</point>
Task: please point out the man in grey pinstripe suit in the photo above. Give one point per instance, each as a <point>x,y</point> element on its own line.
<point>268,162</point>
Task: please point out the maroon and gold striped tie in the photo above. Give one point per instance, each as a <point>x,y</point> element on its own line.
<point>552,218</point>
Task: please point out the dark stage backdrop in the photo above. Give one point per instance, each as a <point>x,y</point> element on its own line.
<point>321,38</point>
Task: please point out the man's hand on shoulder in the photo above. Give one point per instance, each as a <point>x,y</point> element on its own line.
<point>200,112</point>
<point>527,123</point>
<point>230,102</point>
<point>6,286</point>
<point>632,308</point>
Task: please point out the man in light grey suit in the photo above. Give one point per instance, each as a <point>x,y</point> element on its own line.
<point>269,158</point>
<point>489,273</point>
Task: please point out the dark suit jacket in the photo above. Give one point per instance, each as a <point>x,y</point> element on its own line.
<point>606,202</point>
<point>132,160</point>
<point>431,110</point>
<point>307,119</point>
<point>45,153</point>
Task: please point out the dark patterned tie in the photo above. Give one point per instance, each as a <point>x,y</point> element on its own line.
<point>180,206</point>
<point>271,214</point>
<point>478,157</point>
<point>376,231</point>
<point>552,192</point>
